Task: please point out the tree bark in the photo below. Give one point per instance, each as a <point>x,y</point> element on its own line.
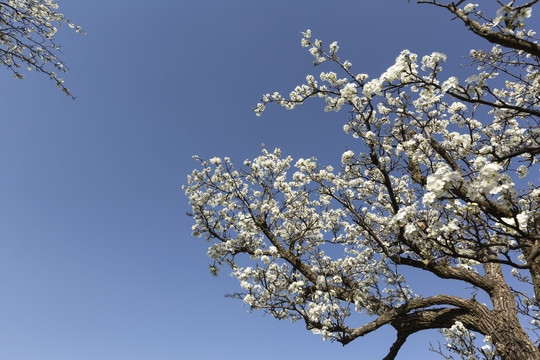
<point>502,324</point>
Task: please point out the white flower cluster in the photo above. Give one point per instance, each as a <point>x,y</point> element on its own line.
<point>491,182</point>
<point>417,122</point>
<point>440,184</point>
<point>26,39</point>
<point>512,18</point>
<point>347,157</point>
<point>463,342</point>
<point>404,69</point>
<point>229,204</point>
<point>469,7</point>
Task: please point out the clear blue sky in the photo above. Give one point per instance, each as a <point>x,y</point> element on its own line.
<point>96,257</point>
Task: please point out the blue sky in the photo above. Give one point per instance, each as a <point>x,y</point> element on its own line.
<point>96,258</point>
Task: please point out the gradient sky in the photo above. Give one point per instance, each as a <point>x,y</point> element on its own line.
<point>96,257</point>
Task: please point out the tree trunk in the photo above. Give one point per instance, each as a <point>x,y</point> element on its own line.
<point>512,342</point>
<point>507,334</point>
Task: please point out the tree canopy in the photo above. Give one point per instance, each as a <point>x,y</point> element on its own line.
<point>443,181</point>
<point>27,29</point>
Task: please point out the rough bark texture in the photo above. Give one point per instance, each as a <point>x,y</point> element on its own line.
<point>511,341</point>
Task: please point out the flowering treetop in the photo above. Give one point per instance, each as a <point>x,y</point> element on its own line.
<point>441,182</point>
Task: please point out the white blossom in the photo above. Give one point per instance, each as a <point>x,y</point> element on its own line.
<point>469,7</point>
<point>28,29</point>
<point>347,157</point>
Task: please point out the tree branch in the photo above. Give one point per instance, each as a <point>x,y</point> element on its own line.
<point>494,37</point>
<point>428,319</point>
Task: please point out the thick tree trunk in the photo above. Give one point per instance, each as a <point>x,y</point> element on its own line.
<point>512,342</point>
<point>508,336</point>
